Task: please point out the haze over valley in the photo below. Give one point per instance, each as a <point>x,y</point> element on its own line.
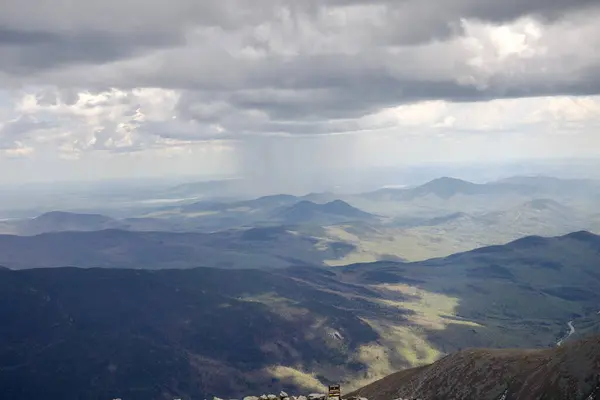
<point>435,219</point>
<point>222,198</point>
<point>334,287</point>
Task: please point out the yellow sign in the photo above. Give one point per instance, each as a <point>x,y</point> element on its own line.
<point>334,391</point>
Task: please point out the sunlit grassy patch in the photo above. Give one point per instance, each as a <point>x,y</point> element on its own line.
<point>383,243</point>
<point>279,305</point>
<point>431,310</point>
<point>297,377</point>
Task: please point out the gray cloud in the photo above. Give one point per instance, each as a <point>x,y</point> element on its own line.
<point>25,52</point>
<point>17,131</point>
<point>295,67</point>
<point>37,34</point>
<point>19,128</point>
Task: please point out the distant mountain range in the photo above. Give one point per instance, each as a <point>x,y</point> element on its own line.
<point>531,217</point>
<point>436,198</point>
<point>70,333</point>
<point>200,217</point>
<point>418,229</point>
<point>450,195</point>
<point>447,187</point>
<point>259,203</point>
<point>416,237</point>
<point>268,247</point>
<point>262,203</point>
<point>59,221</point>
<point>566,373</point>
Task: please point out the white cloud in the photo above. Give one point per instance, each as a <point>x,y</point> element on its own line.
<point>113,120</point>
<point>17,149</point>
<point>224,83</point>
<point>149,122</point>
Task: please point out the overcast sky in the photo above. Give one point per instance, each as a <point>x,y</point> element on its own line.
<point>290,89</point>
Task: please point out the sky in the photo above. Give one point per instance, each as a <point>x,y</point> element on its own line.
<point>289,90</point>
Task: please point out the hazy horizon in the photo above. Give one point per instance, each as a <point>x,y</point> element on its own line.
<point>207,198</point>
<point>414,173</point>
<point>288,94</point>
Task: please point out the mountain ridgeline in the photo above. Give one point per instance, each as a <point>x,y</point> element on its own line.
<point>447,187</point>
<point>261,247</point>
<point>72,333</point>
<point>101,333</point>
<point>570,372</point>
<point>470,290</point>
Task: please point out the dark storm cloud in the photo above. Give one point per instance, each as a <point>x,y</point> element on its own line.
<point>490,10</point>
<point>37,34</point>
<point>40,34</point>
<point>24,52</point>
<point>418,21</point>
<point>349,87</point>
<point>288,66</point>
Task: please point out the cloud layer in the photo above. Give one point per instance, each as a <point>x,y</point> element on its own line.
<point>235,77</point>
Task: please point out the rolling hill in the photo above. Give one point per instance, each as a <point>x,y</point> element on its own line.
<point>448,195</point>
<point>314,208</point>
<point>64,221</point>
<point>416,238</point>
<point>199,332</point>
<point>566,373</point>
<point>60,221</point>
<point>352,235</point>
<point>98,333</point>
<point>519,288</point>
<point>307,212</point>
<point>448,209</point>
<point>265,202</point>
<point>447,187</point>
<point>56,221</point>
<point>269,247</point>
<point>444,188</point>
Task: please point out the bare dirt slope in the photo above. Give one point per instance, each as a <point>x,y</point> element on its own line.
<point>571,371</point>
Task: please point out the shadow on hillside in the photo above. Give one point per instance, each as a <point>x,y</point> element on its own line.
<point>262,248</point>
<point>520,295</point>
<point>201,332</point>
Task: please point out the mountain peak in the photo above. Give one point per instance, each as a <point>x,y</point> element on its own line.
<point>447,187</point>
<point>584,236</point>
<point>306,210</point>
<point>340,207</point>
<point>338,203</point>
<point>448,180</point>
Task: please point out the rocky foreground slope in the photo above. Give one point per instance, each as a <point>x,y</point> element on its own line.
<point>571,371</point>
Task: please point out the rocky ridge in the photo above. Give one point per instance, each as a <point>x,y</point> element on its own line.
<point>570,371</point>
<point>285,396</point>
<point>312,396</point>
